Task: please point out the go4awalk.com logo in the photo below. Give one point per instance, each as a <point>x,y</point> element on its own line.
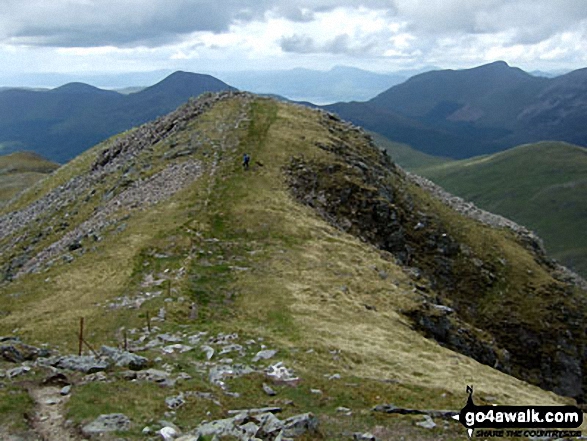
<point>519,421</point>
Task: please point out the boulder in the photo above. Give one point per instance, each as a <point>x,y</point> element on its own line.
<point>85,363</point>
<point>113,422</point>
<point>264,355</point>
<point>125,359</point>
<point>14,351</point>
<point>299,425</point>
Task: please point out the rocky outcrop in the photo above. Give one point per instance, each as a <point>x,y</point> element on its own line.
<point>15,351</point>
<point>256,424</point>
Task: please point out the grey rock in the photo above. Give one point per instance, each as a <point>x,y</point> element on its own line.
<point>250,429</point>
<point>96,376</point>
<point>219,372</point>
<point>364,436</point>
<point>279,373</point>
<point>85,363</point>
<point>154,375</point>
<point>17,371</point>
<point>175,402</point>
<point>220,428</point>
<point>249,412</point>
<point>390,408</point>
<point>428,423</point>
<point>168,338</point>
<point>16,352</point>
<point>124,358</point>
<point>268,390</point>
<point>65,390</point>
<point>264,355</point>
<point>166,423</point>
<point>299,425</point>
<point>176,348</point>
<point>223,339</point>
<point>209,351</point>
<point>269,423</point>
<point>231,348</point>
<point>168,433</point>
<point>107,423</point>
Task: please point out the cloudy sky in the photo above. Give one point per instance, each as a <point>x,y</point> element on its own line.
<point>90,36</point>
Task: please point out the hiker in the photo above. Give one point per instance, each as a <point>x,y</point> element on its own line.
<point>246,160</point>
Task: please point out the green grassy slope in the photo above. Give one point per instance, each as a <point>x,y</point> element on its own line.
<point>21,170</point>
<point>542,186</point>
<point>259,263</point>
<point>406,156</point>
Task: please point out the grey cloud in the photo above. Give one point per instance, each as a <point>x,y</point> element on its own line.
<point>527,21</point>
<point>79,23</point>
<point>123,22</point>
<point>341,44</point>
<point>129,23</point>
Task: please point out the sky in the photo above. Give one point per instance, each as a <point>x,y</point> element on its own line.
<point>115,36</point>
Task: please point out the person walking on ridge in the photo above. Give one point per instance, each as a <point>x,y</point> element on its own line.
<point>246,160</point>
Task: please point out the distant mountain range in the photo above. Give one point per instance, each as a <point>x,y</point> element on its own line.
<point>447,113</point>
<point>341,83</point>
<point>464,113</point>
<point>61,123</point>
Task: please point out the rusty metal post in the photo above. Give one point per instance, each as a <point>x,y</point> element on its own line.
<point>81,335</point>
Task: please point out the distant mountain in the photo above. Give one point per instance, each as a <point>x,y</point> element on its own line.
<point>21,170</point>
<point>77,88</point>
<point>104,80</point>
<point>341,83</point>
<point>464,113</point>
<point>541,186</point>
<point>63,122</point>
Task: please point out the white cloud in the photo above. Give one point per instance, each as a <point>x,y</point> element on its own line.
<point>208,35</point>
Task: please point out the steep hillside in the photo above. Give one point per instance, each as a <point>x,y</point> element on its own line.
<point>61,123</point>
<point>476,111</point>
<point>19,171</point>
<point>323,251</point>
<point>541,186</point>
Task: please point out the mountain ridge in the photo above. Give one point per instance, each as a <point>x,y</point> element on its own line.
<point>480,110</point>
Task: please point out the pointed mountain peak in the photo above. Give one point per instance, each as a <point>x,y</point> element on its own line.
<point>188,82</point>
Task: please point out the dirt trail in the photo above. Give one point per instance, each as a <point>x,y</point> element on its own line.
<point>49,422</point>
